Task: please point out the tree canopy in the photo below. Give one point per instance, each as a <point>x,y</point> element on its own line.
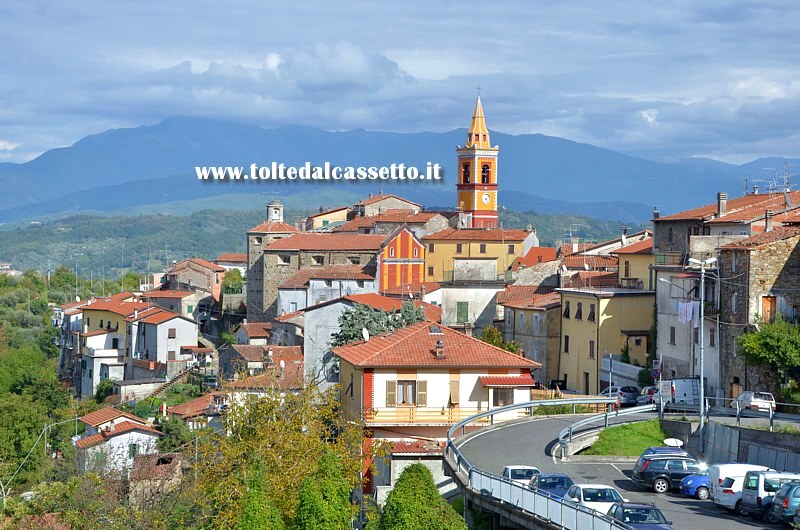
<point>415,504</point>
<point>775,344</point>
<point>376,322</point>
<point>492,335</point>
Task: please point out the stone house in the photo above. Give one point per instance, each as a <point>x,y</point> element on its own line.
<point>533,318</point>
<point>387,221</point>
<point>375,204</point>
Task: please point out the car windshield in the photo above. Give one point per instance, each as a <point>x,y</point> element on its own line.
<point>763,396</point>
<point>601,495</point>
<point>630,389</point>
<point>521,474</point>
<point>643,516</point>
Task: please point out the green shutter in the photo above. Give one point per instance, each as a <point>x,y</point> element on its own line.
<point>391,393</point>
<point>422,393</point>
<point>462,312</point>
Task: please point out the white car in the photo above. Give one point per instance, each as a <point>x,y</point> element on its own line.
<point>595,496</point>
<point>729,494</point>
<point>519,473</point>
<point>762,401</point>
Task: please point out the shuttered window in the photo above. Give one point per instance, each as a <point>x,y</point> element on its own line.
<point>454,391</point>
<point>391,393</point>
<point>422,393</point>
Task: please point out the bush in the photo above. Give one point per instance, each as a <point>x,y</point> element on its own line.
<point>415,504</point>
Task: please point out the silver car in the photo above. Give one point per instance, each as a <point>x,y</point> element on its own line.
<point>648,396</point>
<point>626,394</point>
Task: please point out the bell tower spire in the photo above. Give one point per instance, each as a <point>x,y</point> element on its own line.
<point>477,174</point>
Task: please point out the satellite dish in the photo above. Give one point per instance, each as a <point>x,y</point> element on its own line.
<point>77,298</point>
<point>365,334</point>
<point>282,364</point>
<point>586,266</point>
<point>673,442</point>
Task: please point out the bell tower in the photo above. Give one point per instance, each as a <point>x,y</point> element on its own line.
<point>477,173</point>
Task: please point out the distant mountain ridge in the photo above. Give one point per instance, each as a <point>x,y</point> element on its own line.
<point>154,164</point>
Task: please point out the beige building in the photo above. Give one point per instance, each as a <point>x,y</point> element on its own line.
<point>597,322</point>
<point>326,219</point>
<point>635,265</point>
<point>535,322</point>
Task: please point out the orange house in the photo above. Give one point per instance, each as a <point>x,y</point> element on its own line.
<point>401,260</point>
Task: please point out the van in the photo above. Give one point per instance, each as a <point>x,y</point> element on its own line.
<point>760,487</point>
<point>719,472</point>
<point>683,391</point>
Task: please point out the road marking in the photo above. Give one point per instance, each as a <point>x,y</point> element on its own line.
<point>618,469</point>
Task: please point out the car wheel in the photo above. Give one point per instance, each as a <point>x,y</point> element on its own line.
<point>739,509</point>
<point>770,517</point>
<point>702,493</point>
<point>660,485</point>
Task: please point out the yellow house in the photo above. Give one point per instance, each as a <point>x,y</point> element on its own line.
<point>327,218</point>
<point>596,322</point>
<point>108,315</point>
<point>504,244</point>
<point>635,263</point>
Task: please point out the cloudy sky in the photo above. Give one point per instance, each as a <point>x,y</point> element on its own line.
<point>660,80</point>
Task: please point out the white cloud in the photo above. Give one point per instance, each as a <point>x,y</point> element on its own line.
<point>7,146</point>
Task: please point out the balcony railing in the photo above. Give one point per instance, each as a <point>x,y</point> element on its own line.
<point>670,258</point>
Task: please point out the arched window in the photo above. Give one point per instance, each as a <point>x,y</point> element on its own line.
<point>485,174</point>
<point>466,173</point>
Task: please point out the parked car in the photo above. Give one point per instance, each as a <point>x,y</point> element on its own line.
<point>729,495</point>
<point>626,394</point>
<point>760,487</point>
<point>785,503</point>
<point>696,485</point>
<point>595,496</point>
<point>640,515</point>
<point>553,483</point>
<point>664,472</point>
<point>519,473</point>
<point>722,470</point>
<point>761,401</point>
<point>647,396</point>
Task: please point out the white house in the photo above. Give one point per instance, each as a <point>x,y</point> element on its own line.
<point>102,358</point>
<point>253,333</point>
<point>158,335</point>
<point>469,301</point>
<point>113,449</point>
<point>312,286</point>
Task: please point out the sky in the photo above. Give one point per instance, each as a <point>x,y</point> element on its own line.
<point>659,80</point>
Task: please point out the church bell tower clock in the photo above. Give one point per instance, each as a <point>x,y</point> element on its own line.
<point>477,173</point>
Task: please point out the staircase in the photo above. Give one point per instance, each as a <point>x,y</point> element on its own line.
<point>169,384</point>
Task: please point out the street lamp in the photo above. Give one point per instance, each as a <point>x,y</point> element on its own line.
<point>702,264</point>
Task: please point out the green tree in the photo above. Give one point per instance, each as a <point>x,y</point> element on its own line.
<point>324,498</point>
<point>232,282</point>
<point>775,344</point>
<point>258,510</point>
<point>23,422</point>
<point>177,435</point>
<point>415,504</point>
<point>376,322</point>
<point>491,335</point>
<point>104,389</point>
<point>46,341</point>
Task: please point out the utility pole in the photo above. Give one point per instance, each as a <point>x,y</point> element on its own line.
<point>703,263</point>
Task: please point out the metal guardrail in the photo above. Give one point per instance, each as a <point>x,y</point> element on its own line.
<point>555,510</point>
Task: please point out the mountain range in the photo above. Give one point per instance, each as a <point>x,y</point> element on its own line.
<point>151,169</point>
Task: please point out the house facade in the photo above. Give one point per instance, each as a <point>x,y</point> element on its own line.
<point>326,219</point>
<point>401,260</point>
<point>312,286</point>
<point>159,335</point>
<point>535,322</point>
<point>375,204</point>
<point>195,274</point>
<point>254,333</point>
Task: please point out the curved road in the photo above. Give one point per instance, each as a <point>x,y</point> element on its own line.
<point>530,442</point>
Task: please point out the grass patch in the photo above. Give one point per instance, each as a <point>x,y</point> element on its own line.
<point>782,429</point>
<point>628,440</point>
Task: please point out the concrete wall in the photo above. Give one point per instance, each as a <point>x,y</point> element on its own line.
<point>482,300</point>
<point>320,324</point>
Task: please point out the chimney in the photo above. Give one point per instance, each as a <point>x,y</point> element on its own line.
<point>439,349</point>
<point>722,203</point>
<point>135,314</point>
<point>422,292</point>
<point>755,189</point>
<point>624,231</point>
<point>768,221</point>
<point>656,213</point>
<point>112,427</point>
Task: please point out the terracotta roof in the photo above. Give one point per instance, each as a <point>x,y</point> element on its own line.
<point>732,208</point>
<point>273,227</point>
<point>160,317</point>
<point>573,248</point>
<point>377,301</point>
<point>197,349</point>
<point>155,466</point>
<point>540,301</point>
<point>290,378</point>
<point>594,279</point>
<point>257,329</point>
<point>114,306</point>
<point>167,293</point>
<point>577,261</point>
<point>413,288</point>
<point>764,238</point>
<point>98,332</point>
<point>339,209</point>
<point>418,448</point>
<point>313,241</point>
<point>534,256</point>
<point>507,381</point>
<point>382,196</point>
<point>775,202</point>
<point>520,293</point>
<point>184,263</point>
<point>640,247</point>
<point>387,216</point>
<point>234,257</point>
<point>258,353</point>
<point>300,279</point>
<point>107,414</point>
<point>288,316</point>
<point>120,428</point>
<point>415,345</point>
<point>195,407</point>
<point>509,235</point>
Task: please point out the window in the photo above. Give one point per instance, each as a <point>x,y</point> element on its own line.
<point>590,318</point>
<point>510,249</point>
<point>171,355</point>
<point>675,465</point>
<point>360,284</point>
<point>503,397</point>
<point>258,240</point>
<point>216,278</point>
<point>465,173</point>
<point>627,269</point>
<point>431,247</point>
<point>355,260</point>
<point>318,260</point>
<point>483,248</point>
<point>190,309</point>
<point>391,252</point>
<point>454,392</point>
<point>672,334</point>
<point>579,311</point>
<point>637,341</point>
<point>669,235</point>
<point>462,312</point>
<point>459,248</point>
<point>285,259</point>
<point>591,349</point>
<point>522,320</point>
<point>733,303</point>
<point>328,283</point>
<point>292,307</point>
<point>712,337</point>
<point>133,450</point>
<point>171,333</point>
<point>90,373</point>
<point>115,344</point>
<point>406,392</point>
<point>88,321</point>
<point>696,335</point>
<point>430,271</point>
<point>485,174</point>
<point>566,309</point>
<point>101,322</point>
<point>566,343</point>
<point>416,252</point>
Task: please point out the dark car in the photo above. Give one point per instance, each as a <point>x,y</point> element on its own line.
<point>664,450</point>
<point>640,515</point>
<point>553,483</point>
<point>664,472</point>
<point>785,503</point>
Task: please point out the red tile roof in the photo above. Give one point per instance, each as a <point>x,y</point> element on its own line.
<point>300,279</point>
<point>640,247</point>
<point>573,248</point>
<point>765,238</point>
<point>377,301</point>
<point>415,345</point>
<point>312,241</point>
<point>204,263</point>
<point>195,407</point>
<point>290,378</point>
<point>413,288</point>
<point>123,309</point>
<point>535,256</point>
<point>507,381</point>
<point>167,293</point>
<point>159,317</point>
<point>594,279</point>
<point>98,332</point>
<point>107,414</point>
<point>578,261</point>
<point>273,227</point>
<point>233,257</point>
<point>540,301</point>
<point>733,209</point>
<point>418,448</point>
<point>288,316</point>
<point>387,216</point>
<point>119,428</point>
<point>520,293</point>
<point>258,353</point>
<point>257,329</point>
<point>382,196</point>
<point>509,235</point>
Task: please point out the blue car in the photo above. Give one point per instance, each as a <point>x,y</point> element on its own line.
<point>555,484</point>
<point>696,485</point>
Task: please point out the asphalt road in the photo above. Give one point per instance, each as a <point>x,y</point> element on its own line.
<point>531,443</point>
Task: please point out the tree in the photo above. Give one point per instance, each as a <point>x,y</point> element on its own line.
<point>232,282</point>
<point>376,322</point>
<point>775,344</point>
<point>22,425</point>
<point>415,504</point>
<point>324,499</point>
<point>491,335</point>
<point>258,510</point>
<point>177,435</point>
<point>104,389</point>
<point>46,341</point>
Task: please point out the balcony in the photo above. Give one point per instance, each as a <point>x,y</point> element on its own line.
<point>419,415</point>
<point>675,259</point>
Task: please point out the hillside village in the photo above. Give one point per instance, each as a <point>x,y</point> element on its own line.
<point>582,316</point>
